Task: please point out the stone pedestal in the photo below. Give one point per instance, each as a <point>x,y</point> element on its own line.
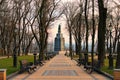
<point>2,74</point>
<point>116,74</point>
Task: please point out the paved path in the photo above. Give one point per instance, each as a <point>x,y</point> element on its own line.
<point>60,68</point>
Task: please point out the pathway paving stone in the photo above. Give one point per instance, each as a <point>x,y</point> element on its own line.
<point>60,68</point>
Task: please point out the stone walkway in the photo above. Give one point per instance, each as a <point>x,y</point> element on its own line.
<point>60,68</point>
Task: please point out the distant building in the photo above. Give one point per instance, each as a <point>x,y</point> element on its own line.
<point>59,43</point>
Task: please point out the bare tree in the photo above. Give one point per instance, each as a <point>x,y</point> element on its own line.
<point>1,1</point>
<point>101,32</point>
<point>118,52</point>
<point>5,27</point>
<point>46,14</point>
<point>70,11</point>
<point>78,29</point>
<point>18,12</point>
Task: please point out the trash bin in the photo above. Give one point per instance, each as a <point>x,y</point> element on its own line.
<point>116,74</point>
<point>2,74</point>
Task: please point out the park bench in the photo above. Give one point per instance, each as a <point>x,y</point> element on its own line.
<point>80,62</point>
<point>89,67</point>
<point>47,58</point>
<point>51,55</point>
<point>39,62</point>
<point>27,66</point>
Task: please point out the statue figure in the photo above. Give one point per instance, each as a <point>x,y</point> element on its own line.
<point>59,28</point>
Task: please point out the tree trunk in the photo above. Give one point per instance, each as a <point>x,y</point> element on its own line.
<point>70,43</point>
<point>118,56</point>
<point>93,34</point>
<point>28,46</point>
<point>101,33</point>
<point>87,26</point>
<point>76,47</point>
<point>8,51</point>
<point>107,45</point>
<point>115,41</point>
<point>79,43</point>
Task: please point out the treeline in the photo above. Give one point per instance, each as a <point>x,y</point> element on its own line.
<point>23,22</point>
<point>95,22</point>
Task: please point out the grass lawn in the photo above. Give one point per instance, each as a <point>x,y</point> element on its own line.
<point>8,63</point>
<point>105,67</point>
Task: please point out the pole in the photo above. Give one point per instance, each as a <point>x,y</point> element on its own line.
<point>35,58</point>
<point>93,35</point>
<point>14,54</point>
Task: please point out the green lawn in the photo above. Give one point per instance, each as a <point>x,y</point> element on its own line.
<point>105,67</point>
<point>8,63</point>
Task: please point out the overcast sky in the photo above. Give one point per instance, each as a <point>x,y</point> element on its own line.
<point>54,28</point>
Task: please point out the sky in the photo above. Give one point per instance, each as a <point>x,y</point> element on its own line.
<point>54,29</point>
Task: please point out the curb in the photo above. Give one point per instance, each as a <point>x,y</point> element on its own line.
<point>104,73</point>
<point>15,74</point>
<point>12,75</point>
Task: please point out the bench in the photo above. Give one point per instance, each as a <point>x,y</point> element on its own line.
<point>27,66</point>
<point>47,58</point>
<point>51,55</point>
<point>39,62</point>
<point>80,62</point>
<point>88,67</point>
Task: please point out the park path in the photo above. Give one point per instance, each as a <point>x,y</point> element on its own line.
<point>60,68</point>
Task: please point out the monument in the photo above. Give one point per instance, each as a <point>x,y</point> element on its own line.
<point>59,42</point>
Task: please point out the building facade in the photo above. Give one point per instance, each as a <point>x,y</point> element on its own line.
<point>59,42</point>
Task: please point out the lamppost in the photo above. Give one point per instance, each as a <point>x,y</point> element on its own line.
<point>35,53</point>
<point>14,50</point>
<point>110,54</point>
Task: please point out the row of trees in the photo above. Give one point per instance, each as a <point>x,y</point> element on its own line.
<point>94,19</point>
<point>23,22</point>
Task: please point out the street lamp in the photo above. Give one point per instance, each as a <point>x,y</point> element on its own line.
<point>35,53</point>
<point>14,51</point>
<point>110,54</point>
